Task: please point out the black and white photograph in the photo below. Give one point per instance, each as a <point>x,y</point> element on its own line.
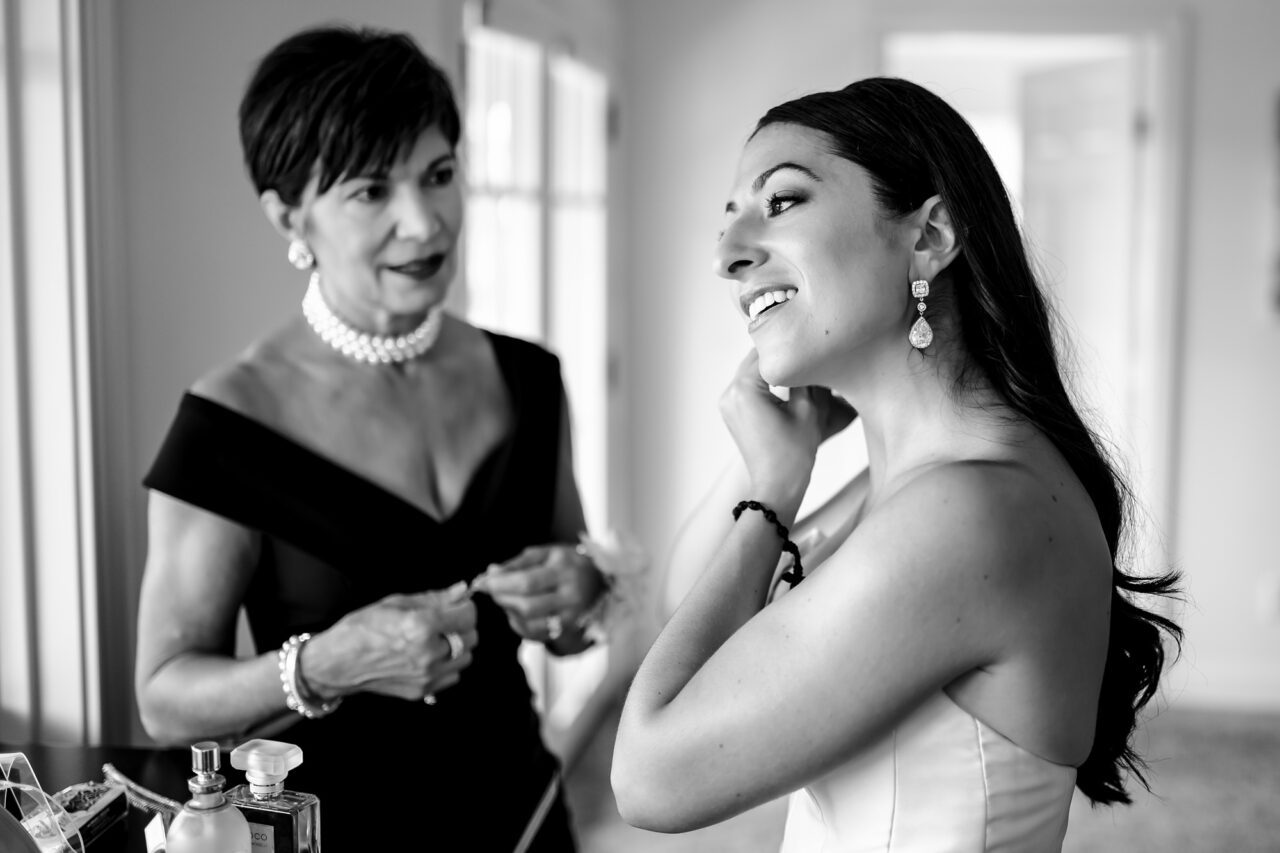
<point>613,426</point>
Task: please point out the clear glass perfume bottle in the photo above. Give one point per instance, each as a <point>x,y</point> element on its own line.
<point>208,823</point>
<point>280,821</point>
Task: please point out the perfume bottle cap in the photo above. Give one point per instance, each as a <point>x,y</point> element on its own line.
<point>205,761</point>
<point>205,757</point>
<point>266,761</point>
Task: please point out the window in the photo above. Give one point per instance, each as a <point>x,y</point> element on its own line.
<point>505,274</point>
<point>49,654</point>
<point>536,155</point>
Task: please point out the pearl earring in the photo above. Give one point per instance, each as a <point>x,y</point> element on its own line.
<point>921,334</point>
<point>300,256</point>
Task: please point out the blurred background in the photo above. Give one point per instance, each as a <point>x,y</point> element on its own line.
<point>1140,140</point>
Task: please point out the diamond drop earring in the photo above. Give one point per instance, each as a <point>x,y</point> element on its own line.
<point>921,334</point>
<point>300,256</point>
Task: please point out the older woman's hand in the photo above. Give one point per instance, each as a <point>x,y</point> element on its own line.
<point>408,646</point>
<point>544,590</point>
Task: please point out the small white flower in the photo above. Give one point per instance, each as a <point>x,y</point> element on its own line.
<point>624,565</point>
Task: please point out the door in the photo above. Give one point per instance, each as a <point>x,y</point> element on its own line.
<point>1082,142</point>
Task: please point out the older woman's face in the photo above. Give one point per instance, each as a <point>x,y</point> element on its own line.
<point>804,239</point>
<point>385,245</point>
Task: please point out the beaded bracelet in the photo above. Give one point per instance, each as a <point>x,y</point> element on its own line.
<point>795,574</point>
<point>293,698</point>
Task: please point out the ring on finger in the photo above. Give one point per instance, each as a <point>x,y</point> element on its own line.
<point>555,627</point>
<point>456,645</point>
<point>429,699</point>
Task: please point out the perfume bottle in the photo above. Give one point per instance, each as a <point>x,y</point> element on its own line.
<point>280,821</point>
<point>208,823</point>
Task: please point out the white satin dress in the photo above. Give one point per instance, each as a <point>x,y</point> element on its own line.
<point>941,782</point>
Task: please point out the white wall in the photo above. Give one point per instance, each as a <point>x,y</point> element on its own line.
<point>699,75</point>
<point>1231,393</point>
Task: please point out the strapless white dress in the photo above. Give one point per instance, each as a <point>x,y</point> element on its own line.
<point>941,782</point>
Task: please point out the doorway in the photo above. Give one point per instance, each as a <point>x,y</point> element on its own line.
<point>1077,126</point>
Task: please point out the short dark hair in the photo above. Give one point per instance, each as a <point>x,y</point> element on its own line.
<point>339,101</point>
<point>913,145</point>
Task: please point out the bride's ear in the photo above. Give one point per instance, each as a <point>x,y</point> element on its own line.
<point>936,244</point>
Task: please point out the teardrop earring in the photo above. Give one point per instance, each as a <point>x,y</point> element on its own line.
<point>921,334</point>
<point>300,256</point>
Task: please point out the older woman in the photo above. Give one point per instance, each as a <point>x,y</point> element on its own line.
<point>356,476</point>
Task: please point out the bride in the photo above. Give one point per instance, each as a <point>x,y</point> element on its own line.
<point>958,647</point>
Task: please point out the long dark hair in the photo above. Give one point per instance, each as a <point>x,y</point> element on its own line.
<point>915,146</point>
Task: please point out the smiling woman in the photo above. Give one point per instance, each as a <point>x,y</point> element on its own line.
<point>799,237</point>
<point>965,648</point>
<point>385,489</point>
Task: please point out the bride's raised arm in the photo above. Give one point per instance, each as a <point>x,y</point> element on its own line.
<point>818,534</point>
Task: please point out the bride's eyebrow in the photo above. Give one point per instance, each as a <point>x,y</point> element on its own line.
<point>759,182</point>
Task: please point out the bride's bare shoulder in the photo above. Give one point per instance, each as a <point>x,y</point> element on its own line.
<point>835,511</point>
<point>1003,522</point>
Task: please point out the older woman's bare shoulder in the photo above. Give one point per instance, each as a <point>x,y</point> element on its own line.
<point>248,385</point>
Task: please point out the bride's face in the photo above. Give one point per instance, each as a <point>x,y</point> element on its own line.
<point>805,240</point>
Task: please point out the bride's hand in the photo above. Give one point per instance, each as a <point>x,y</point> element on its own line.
<point>779,439</point>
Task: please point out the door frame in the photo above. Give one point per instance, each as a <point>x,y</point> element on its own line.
<point>1161,215</point>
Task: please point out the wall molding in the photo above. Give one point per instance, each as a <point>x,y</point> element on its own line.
<point>49,656</point>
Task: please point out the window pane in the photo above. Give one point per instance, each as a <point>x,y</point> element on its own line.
<point>504,264</point>
<point>504,111</point>
<point>579,109</point>
<point>578,299</point>
<point>579,334</point>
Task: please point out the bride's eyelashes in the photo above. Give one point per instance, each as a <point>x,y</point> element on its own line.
<point>780,202</point>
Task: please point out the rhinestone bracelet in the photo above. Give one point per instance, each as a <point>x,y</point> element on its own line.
<point>293,699</point>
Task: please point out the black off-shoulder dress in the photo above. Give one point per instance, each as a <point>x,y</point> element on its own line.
<point>390,773</point>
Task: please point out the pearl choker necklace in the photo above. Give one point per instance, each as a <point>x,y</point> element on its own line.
<point>362,346</point>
